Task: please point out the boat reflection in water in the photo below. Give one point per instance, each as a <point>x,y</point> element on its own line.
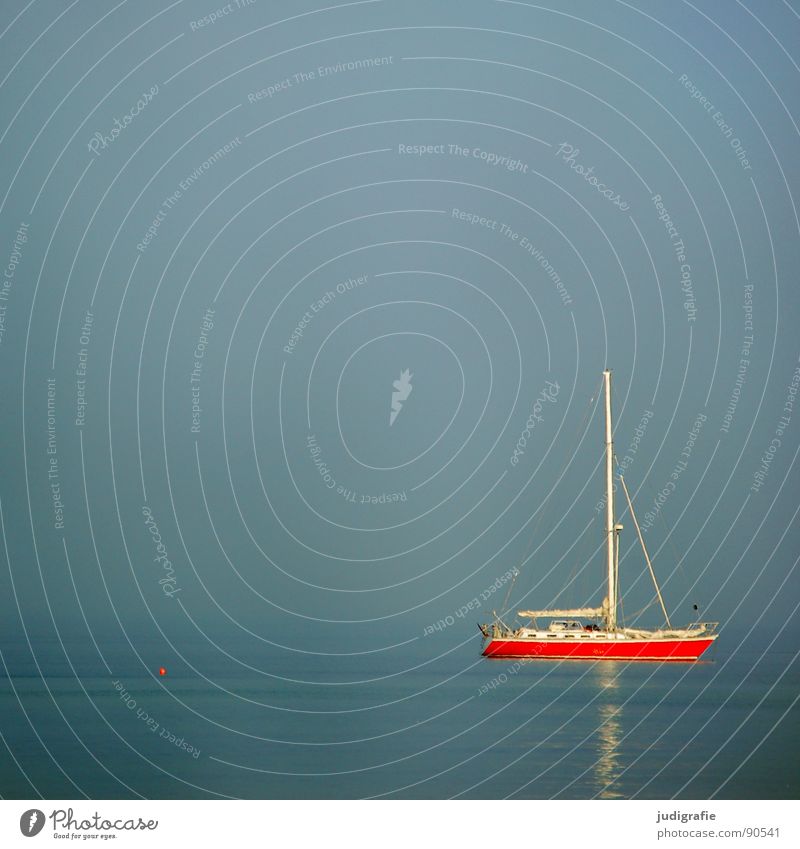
<point>608,766</point>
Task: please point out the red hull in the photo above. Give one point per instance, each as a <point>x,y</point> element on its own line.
<point>633,649</point>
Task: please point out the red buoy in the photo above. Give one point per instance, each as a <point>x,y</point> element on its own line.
<point>162,671</point>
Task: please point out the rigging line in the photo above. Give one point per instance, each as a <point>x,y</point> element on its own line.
<point>535,531</point>
<point>667,531</point>
<point>644,549</point>
<point>647,558</point>
<point>618,469</point>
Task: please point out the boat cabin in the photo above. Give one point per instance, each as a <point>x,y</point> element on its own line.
<point>565,625</point>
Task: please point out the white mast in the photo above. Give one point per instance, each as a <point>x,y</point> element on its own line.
<point>611,617</point>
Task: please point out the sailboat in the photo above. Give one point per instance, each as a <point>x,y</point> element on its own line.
<point>593,633</point>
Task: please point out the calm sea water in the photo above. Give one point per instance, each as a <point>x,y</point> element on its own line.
<point>431,722</point>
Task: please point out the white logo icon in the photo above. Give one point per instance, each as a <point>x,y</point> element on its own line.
<point>403,389</point>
